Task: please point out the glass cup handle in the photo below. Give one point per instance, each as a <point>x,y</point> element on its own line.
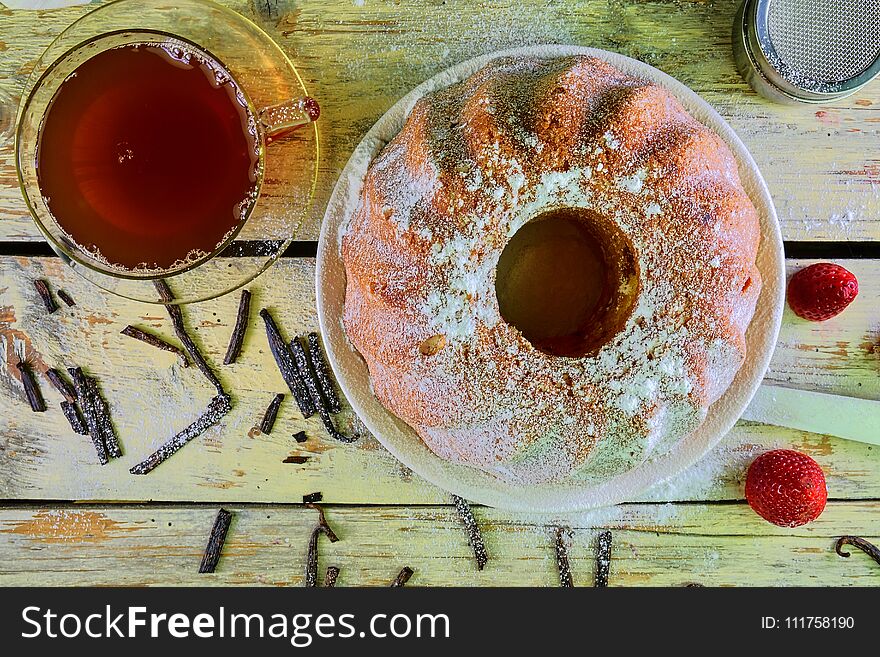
<point>285,117</point>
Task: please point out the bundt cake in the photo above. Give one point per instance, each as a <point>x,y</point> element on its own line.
<point>551,269</point>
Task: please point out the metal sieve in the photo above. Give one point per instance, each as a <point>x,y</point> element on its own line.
<point>810,51</point>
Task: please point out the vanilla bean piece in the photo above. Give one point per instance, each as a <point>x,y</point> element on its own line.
<point>87,405</point>
<point>312,556</point>
<point>402,577</point>
<point>215,542</point>
<point>311,498</point>
<point>95,411</point>
<point>192,349</point>
<point>66,298</point>
<point>319,365</point>
<point>102,413</point>
<point>475,538</point>
<point>865,546</point>
<point>287,366</point>
<point>603,558</point>
<point>302,366</point>
<point>300,436</point>
<point>219,406</point>
<point>43,290</point>
<point>271,414</point>
<point>330,577</point>
<point>155,341</point>
<point>74,419</point>
<point>31,389</point>
<point>562,563</point>
<point>61,385</point>
<point>305,373</point>
<point>241,323</point>
<point>332,430</point>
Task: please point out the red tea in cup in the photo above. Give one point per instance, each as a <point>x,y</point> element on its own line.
<point>149,157</point>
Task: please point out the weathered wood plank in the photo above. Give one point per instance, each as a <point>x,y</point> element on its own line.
<point>841,355</point>
<point>653,545</point>
<point>820,162</point>
<point>152,397</point>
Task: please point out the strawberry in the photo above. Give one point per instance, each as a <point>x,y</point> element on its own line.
<point>786,488</point>
<point>821,291</point>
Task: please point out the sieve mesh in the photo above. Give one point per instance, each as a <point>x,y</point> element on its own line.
<point>825,40</point>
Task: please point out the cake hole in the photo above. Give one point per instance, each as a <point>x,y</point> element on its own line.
<point>568,280</point>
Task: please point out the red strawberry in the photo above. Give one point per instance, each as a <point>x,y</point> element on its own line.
<point>821,291</point>
<point>786,488</point>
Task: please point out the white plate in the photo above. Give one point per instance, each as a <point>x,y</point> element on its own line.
<point>570,494</point>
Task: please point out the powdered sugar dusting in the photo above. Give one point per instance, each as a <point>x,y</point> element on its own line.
<point>727,463</point>
<point>633,184</point>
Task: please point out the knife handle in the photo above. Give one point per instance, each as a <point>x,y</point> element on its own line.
<point>833,415</point>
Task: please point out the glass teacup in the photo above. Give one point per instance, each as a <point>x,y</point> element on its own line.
<point>273,102</point>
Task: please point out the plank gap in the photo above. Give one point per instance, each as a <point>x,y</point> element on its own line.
<point>841,250</point>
